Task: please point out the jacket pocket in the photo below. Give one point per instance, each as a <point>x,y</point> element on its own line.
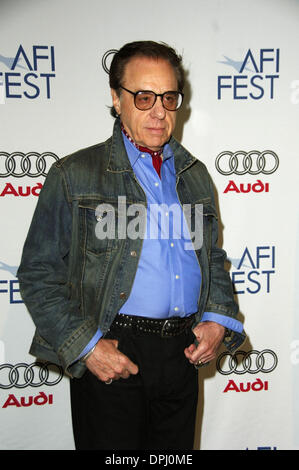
<point>200,217</point>
<point>99,225</point>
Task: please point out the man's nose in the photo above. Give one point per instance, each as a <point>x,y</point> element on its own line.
<point>158,109</point>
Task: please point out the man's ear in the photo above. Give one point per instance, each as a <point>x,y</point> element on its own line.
<point>116,101</point>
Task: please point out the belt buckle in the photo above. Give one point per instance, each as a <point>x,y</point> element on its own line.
<point>163,335</point>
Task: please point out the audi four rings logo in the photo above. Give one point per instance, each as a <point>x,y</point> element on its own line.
<point>31,164</point>
<point>34,375</point>
<point>251,362</point>
<point>242,162</point>
<point>105,57</point>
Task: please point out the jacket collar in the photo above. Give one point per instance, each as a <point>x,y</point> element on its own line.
<point>182,158</point>
<point>119,160</point>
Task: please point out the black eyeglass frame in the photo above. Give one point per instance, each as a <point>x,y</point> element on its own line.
<point>135,93</point>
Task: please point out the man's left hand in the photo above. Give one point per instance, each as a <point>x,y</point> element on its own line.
<point>209,336</point>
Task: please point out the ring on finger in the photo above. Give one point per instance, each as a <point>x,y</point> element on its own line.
<point>198,364</point>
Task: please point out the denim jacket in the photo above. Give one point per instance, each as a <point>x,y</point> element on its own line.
<point>73,282</point>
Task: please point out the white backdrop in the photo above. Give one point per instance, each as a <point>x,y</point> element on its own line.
<point>243,93</point>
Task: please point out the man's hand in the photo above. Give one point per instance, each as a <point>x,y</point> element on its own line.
<point>107,362</point>
<point>209,336</point>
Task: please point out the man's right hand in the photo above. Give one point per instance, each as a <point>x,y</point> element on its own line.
<point>107,362</point>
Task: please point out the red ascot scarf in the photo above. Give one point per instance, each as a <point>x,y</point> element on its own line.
<point>156,155</point>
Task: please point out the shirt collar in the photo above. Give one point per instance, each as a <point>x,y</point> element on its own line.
<point>118,160</point>
<point>134,153</point>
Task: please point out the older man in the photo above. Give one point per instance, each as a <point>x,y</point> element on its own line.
<point>130,316</point>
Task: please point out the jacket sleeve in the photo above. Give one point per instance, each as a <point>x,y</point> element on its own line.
<point>221,296</point>
<point>44,273</point>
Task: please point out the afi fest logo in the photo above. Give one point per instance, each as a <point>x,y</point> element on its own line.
<point>9,288</point>
<point>253,272</point>
<point>29,73</point>
<point>254,77</point>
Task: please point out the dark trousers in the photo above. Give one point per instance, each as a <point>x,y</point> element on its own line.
<point>154,409</point>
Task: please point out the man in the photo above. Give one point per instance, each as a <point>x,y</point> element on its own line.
<point>130,318</point>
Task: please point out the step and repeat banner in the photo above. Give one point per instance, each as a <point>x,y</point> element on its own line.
<point>240,117</point>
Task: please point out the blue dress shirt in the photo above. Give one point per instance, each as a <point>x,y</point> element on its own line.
<point>168,278</point>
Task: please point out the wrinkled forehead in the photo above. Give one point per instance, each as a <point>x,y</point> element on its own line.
<point>146,72</point>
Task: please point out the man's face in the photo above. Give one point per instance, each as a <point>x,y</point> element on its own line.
<point>151,128</point>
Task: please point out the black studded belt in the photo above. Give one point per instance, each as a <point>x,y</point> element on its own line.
<point>164,327</point>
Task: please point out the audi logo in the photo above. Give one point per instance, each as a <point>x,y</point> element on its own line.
<point>34,375</point>
<point>242,162</point>
<point>251,362</point>
<point>31,164</point>
<point>105,57</point>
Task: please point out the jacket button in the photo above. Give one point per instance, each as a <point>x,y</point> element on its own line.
<point>133,253</point>
<point>122,295</point>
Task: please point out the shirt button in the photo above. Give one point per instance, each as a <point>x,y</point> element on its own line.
<point>177,276</point>
<point>172,245</point>
<point>156,184</point>
<point>142,155</point>
<point>122,295</point>
<point>176,309</point>
<point>133,253</point>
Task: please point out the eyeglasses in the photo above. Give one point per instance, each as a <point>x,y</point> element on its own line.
<point>144,100</point>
